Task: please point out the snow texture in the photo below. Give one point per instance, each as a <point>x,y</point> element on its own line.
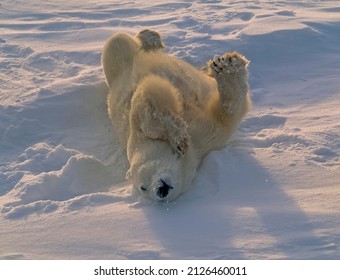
<point>272,193</point>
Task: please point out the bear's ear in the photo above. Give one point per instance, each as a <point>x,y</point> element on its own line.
<point>128,174</point>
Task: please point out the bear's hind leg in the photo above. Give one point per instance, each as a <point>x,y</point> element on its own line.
<point>118,55</point>
<point>156,111</point>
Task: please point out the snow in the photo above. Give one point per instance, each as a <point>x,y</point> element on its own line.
<point>272,193</point>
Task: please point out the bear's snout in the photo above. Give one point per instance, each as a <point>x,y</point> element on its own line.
<point>163,190</point>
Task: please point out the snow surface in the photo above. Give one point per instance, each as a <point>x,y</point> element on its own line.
<point>272,193</point>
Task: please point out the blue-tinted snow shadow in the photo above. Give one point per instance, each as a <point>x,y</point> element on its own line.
<point>202,223</point>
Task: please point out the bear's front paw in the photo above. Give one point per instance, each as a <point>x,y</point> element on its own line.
<point>229,63</point>
<point>182,146</point>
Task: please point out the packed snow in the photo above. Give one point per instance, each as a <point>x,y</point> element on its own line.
<point>272,193</point>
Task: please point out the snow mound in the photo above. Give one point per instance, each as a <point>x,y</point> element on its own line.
<point>48,175</point>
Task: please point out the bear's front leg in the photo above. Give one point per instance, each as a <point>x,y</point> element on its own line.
<point>156,112</point>
<point>230,72</point>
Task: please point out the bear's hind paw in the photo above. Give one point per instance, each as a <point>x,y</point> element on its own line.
<point>150,40</point>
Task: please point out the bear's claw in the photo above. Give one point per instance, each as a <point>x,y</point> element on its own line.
<point>227,64</point>
<point>182,147</point>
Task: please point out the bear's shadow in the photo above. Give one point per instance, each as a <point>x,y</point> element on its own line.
<point>235,210</point>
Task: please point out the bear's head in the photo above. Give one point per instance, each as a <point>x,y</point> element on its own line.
<point>157,171</point>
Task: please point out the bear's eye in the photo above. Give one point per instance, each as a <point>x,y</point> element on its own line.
<point>143,188</point>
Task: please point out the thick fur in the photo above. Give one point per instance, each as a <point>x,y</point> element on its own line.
<point>167,113</point>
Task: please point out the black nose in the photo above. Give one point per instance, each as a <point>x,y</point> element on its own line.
<point>164,189</point>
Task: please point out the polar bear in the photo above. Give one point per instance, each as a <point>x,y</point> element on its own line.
<point>167,113</point>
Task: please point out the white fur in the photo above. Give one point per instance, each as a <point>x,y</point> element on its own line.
<point>167,113</point>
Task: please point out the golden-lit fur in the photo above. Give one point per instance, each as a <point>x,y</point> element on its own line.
<point>167,113</point>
